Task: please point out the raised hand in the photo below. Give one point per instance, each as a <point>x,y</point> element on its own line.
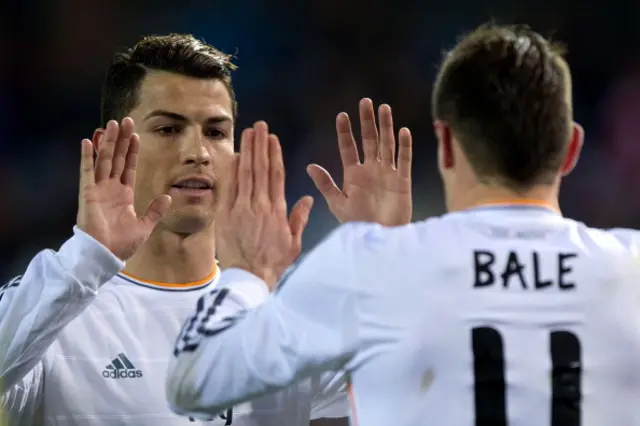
<point>105,205</point>
<point>252,227</point>
<point>379,189</point>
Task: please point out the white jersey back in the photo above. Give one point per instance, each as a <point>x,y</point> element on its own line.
<point>496,316</point>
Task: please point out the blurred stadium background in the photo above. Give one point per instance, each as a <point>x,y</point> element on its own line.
<point>300,62</point>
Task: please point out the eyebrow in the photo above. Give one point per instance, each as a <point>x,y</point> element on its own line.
<point>166,114</point>
<point>217,119</point>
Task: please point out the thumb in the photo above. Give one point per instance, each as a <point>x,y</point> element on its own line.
<point>324,182</point>
<point>157,208</point>
<point>299,216</point>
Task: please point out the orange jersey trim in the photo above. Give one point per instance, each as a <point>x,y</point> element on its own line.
<point>519,202</point>
<point>192,284</point>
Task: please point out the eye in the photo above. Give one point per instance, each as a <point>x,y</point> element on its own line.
<point>214,133</point>
<point>167,130</point>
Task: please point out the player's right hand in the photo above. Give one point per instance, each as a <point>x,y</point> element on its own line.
<point>105,204</point>
<point>252,226</point>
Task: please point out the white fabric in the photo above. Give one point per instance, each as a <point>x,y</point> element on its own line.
<point>82,345</point>
<point>416,324</point>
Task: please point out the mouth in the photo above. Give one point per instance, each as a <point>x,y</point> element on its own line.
<point>194,184</point>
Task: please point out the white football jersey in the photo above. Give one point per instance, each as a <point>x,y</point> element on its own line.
<point>81,345</point>
<point>498,315</point>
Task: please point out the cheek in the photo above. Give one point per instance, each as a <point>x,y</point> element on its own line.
<point>222,155</point>
<point>150,179</point>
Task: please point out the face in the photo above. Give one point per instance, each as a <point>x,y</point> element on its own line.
<point>186,141</point>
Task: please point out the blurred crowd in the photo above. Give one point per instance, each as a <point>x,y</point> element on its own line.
<point>300,63</point>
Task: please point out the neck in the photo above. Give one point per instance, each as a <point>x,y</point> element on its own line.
<point>172,258</point>
<point>488,194</point>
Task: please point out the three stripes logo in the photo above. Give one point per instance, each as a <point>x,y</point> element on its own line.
<point>121,368</point>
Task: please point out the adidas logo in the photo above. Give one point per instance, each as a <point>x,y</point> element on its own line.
<point>121,368</point>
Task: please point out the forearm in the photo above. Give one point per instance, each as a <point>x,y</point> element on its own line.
<point>242,354</point>
<point>55,288</point>
<point>189,389</point>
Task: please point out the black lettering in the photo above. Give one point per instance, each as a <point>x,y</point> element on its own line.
<point>228,416</point>
<point>538,282</point>
<point>514,267</point>
<point>482,262</point>
<point>564,270</point>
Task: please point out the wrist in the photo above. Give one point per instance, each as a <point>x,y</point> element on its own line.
<point>265,274</point>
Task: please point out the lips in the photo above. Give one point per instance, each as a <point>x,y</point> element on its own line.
<point>193,183</point>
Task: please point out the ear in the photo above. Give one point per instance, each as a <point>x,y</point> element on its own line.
<point>573,150</point>
<point>97,138</point>
<point>446,159</point>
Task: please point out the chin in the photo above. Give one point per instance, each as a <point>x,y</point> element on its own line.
<point>188,222</point>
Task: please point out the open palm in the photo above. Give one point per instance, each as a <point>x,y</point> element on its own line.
<point>252,224</point>
<point>375,190</point>
<point>105,205</point>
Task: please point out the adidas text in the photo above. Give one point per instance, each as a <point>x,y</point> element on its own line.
<point>122,374</point>
<point>121,368</point>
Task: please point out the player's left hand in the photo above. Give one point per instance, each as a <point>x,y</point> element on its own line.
<point>379,189</point>
<point>252,228</point>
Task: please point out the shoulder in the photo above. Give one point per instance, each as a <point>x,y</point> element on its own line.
<point>630,238</point>
<point>372,234</point>
<point>613,241</point>
<point>374,238</point>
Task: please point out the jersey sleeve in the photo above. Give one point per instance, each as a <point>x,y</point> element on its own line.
<point>54,289</point>
<point>308,326</point>
<point>331,400</point>
<point>22,404</point>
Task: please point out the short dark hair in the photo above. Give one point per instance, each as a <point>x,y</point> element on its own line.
<point>177,53</point>
<point>505,92</point>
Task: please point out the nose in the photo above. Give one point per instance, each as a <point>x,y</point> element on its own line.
<point>196,154</point>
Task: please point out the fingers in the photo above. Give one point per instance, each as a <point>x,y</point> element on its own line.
<point>261,156</point>
<point>299,218</point>
<point>131,161</point>
<point>114,153</point>
<point>368,130</point>
<point>229,187</point>
<point>121,148</point>
<point>346,141</point>
<point>387,138</point>
<point>157,208</point>
<point>105,151</point>
<point>87,172</point>
<point>245,167</point>
<point>404,153</point>
<point>276,176</point>
<point>324,182</point>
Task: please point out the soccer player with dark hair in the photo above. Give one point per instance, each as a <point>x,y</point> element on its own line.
<point>500,312</point>
<point>86,339</point>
